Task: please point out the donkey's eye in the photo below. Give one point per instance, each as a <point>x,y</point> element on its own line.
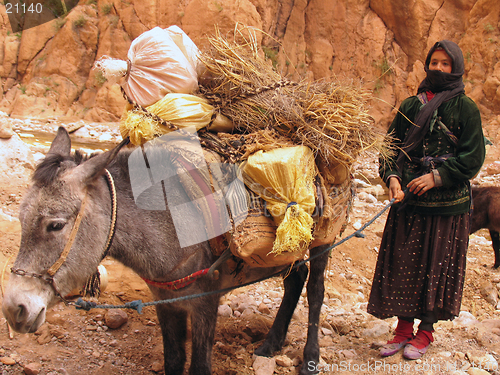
<point>55,226</point>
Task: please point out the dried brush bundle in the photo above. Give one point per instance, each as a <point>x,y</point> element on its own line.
<point>330,117</point>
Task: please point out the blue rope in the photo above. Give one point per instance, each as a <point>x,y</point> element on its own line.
<point>138,305</point>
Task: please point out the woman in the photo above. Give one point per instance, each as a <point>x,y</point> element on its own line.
<point>421,263</point>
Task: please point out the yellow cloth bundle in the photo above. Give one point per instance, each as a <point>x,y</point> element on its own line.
<point>284,178</point>
<point>182,110</point>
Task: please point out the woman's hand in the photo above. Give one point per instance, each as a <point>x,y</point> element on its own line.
<point>422,184</point>
<point>395,190</point>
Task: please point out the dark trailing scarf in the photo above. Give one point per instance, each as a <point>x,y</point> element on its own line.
<point>444,85</point>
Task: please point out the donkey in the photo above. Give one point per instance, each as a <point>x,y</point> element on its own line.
<point>67,189</point>
<point>486,214</point>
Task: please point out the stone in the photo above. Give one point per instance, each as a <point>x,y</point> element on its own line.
<point>340,326</point>
<point>489,292</point>
<point>375,190</point>
<point>10,46</point>
<point>322,53</point>
<point>465,318</point>
<point>347,354</point>
<point>157,366</point>
<point>482,361</point>
<point>224,310</point>
<point>7,361</point>
<point>378,328</point>
<point>44,334</point>
<point>357,225</point>
<point>242,302</point>
<point>264,365</point>
<point>264,309</point>
<point>477,371</point>
<point>325,342</point>
<point>58,332</point>
<point>109,104</point>
<point>326,331</point>
<point>16,160</point>
<point>248,314</point>
<point>283,361</point>
<point>490,324</point>
<point>32,368</point>
<point>257,327</point>
<point>115,318</point>
<point>493,168</point>
<point>445,354</point>
<point>5,129</point>
<point>366,197</point>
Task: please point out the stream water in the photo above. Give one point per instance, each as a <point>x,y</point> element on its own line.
<point>43,140</point>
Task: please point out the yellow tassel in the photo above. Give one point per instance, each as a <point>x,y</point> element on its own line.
<point>294,234</point>
<point>138,127</point>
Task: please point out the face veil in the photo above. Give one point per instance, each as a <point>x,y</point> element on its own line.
<point>437,81</point>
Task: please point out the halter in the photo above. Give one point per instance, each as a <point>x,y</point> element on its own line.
<point>62,258</point>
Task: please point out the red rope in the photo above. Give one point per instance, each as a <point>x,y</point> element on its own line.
<point>179,283</point>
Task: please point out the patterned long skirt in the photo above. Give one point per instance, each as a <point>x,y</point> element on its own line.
<point>420,266</point>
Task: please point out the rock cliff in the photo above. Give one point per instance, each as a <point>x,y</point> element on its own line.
<point>46,71</point>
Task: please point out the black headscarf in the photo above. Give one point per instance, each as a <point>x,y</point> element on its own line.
<point>444,85</point>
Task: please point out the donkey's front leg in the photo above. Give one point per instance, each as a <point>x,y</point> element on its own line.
<point>315,294</point>
<point>173,323</point>
<point>293,283</point>
<point>203,322</point>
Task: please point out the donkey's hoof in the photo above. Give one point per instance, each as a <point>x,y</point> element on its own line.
<point>265,350</point>
<point>309,368</point>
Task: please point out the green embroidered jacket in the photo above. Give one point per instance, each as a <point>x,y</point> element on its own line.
<point>461,117</point>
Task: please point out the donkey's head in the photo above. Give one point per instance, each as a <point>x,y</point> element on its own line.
<point>48,213</point>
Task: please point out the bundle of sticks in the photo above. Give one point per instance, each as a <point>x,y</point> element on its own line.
<point>330,117</point>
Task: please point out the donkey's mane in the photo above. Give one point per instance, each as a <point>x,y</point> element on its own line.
<point>53,164</point>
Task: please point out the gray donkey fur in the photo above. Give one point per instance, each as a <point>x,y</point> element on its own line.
<point>145,241</point>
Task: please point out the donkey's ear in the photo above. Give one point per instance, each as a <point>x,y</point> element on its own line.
<point>61,145</point>
<point>88,171</point>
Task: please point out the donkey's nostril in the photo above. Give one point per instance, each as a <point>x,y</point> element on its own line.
<point>21,313</point>
<point>38,321</point>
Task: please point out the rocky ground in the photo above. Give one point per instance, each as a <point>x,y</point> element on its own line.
<point>78,342</point>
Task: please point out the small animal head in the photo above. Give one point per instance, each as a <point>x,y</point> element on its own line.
<point>48,213</point>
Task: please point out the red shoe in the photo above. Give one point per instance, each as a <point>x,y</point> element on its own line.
<point>404,333</point>
<point>417,347</point>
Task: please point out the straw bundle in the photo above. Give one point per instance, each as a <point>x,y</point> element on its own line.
<point>329,117</point>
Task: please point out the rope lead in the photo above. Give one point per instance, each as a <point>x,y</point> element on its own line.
<point>136,305</point>
<point>80,304</point>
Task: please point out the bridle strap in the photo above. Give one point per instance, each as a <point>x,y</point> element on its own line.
<point>114,210</point>
<point>58,263</point>
<point>111,184</point>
